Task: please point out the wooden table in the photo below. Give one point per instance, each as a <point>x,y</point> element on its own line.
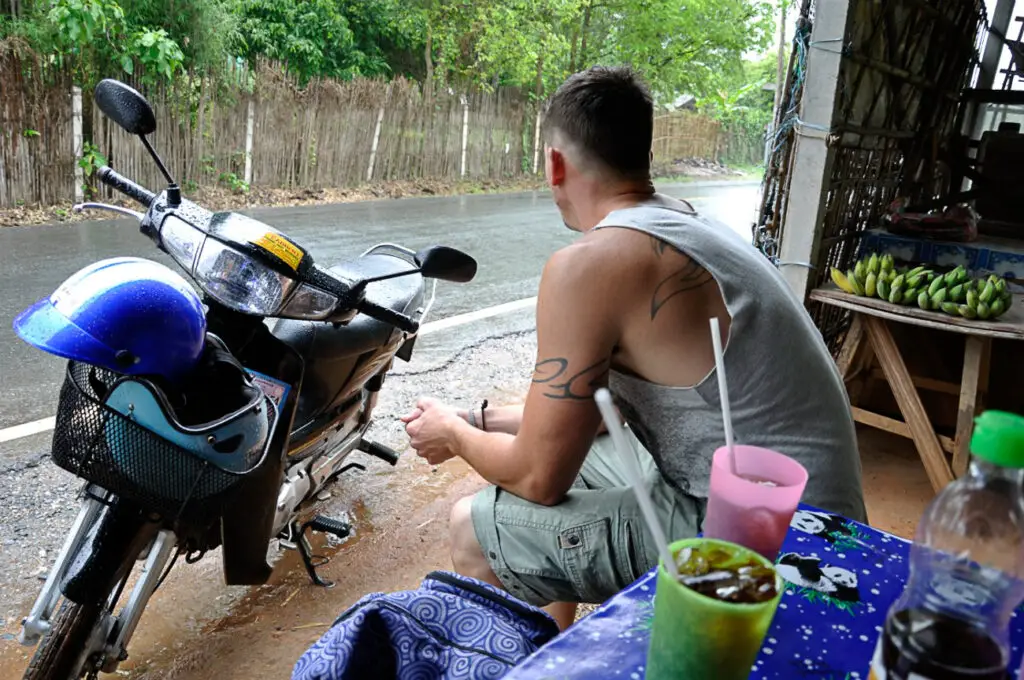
<point>869,335</point>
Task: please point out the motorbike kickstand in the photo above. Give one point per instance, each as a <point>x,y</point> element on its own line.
<point>312,562</point>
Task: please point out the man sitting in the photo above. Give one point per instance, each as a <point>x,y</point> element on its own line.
<point>628,306</point>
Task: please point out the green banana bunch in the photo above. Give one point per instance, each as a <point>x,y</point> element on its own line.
<point>953,292</point>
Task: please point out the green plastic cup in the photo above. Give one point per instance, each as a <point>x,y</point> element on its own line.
<point>695,636</point>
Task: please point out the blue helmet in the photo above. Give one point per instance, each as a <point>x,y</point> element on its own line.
<point>126,314</point>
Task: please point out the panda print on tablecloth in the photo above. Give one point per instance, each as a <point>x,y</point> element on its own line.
<point>820,581</point>
<point>822,524</point>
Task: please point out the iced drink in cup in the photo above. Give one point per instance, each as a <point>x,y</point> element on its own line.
<point>711,622</point>
<point>754,507</point>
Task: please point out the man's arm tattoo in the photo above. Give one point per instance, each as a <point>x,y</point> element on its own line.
<point>690,277</point>
<point>559,384</point>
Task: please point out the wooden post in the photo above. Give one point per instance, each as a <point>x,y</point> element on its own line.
<point>536,141</point>
<point>811,164</point>
<point>376,141</point>
<point>76,140</point>
<point>465,134</point>
<point>249,119</point>
<point>999,24</point>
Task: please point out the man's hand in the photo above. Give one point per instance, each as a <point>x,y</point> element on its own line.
<point>431,428</point>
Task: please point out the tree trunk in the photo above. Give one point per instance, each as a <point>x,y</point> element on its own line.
<point>573,50</point>
<point>428,57</point>
<point>539,87</point>
<point>583,36</point>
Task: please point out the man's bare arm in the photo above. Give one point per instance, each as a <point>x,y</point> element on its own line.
<point>575,337</point>
<point>507,419</point>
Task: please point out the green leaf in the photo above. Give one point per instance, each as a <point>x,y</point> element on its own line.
<point>127,64</point>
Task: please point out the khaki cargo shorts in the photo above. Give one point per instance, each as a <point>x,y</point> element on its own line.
<point>591,545</point>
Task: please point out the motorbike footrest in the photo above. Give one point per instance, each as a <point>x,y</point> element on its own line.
<point>329,525</point>
<point>326,525</point>
<point>385,453</point>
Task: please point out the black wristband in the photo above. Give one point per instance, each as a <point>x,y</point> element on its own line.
<point>483,416</point>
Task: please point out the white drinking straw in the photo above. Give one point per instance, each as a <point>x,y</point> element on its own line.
<point>611,421</point>
<point>723,391</point>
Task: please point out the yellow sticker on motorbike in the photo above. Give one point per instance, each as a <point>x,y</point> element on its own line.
<point>282,248</point>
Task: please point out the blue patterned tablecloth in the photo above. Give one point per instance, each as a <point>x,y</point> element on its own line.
<point>841,575</point>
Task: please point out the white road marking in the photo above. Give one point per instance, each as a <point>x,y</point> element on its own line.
<point>26,430</point>
<point>46,424</point>
<point>469,317</point>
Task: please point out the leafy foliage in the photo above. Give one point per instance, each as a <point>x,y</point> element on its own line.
<point>693,47</point>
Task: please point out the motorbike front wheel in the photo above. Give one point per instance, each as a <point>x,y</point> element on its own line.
<point>59,654</point>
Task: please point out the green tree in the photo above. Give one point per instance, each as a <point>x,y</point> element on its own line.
<point>677,49</point>
<point>311,37</point>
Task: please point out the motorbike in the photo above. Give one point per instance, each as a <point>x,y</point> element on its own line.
<point>318,341</point>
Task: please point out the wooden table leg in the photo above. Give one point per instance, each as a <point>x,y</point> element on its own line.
<point>854,357</point>
<point>977,351</point>
<point>903,389</point>
<point>852,344</point>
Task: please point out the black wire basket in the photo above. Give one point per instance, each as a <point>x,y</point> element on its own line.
<point>98,444</point>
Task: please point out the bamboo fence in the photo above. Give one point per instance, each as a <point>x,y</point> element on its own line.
<point>325,134</point>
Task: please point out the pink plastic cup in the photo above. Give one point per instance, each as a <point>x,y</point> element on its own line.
<point>743,511</point>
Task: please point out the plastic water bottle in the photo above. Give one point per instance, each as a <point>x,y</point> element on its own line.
<point>966,569</point>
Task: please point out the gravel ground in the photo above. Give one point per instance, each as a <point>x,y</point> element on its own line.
<point>37,499</point>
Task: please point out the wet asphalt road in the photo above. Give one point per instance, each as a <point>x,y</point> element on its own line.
<point>511,235</point>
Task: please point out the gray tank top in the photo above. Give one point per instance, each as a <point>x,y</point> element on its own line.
<point>786,392</point>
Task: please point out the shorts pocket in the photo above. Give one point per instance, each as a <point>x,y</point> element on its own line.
<point>634,561</point>
<point>588,555</point>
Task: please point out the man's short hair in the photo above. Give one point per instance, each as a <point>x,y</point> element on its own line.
<point>606,115</point>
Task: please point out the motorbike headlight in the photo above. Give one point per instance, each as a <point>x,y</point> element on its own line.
<point>181,240</point>
<point>239,282</point>
<point>310,303</point>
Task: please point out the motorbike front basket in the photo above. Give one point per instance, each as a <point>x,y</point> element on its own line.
<point>98,444</point>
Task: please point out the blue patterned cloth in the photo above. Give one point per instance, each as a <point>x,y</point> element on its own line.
<point>841,576</point>
<point>451,627</point>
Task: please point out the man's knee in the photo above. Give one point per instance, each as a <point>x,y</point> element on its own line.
<point>465,547</point>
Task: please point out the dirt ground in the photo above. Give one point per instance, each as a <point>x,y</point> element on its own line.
<point>198,629</point>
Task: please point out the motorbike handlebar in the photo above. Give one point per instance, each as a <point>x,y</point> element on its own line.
<point>127,187</point>
<point>389,316</point>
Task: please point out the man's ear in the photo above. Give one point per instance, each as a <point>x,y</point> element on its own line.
<point>555,166</point>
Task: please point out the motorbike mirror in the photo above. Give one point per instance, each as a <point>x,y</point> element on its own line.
<point>125,106</point>
<point>447,264</point>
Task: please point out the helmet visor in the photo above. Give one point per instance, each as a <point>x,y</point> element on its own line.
<point>42,326</point>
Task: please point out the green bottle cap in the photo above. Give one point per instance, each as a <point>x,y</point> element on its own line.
<point>999,438</point>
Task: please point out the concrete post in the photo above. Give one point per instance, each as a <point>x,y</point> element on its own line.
<point>249,121</point>
<point>812,155</point>
<point>77,142</point>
